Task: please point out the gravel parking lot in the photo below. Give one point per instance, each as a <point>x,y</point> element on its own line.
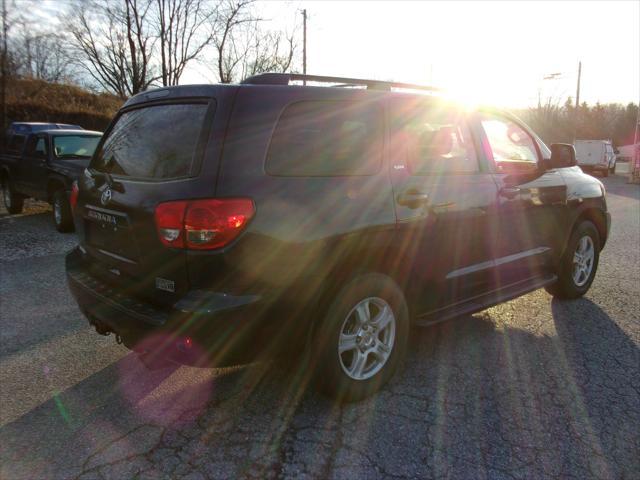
<point>533,388</point>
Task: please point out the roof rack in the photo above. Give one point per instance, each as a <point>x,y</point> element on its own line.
<point>286,78</point>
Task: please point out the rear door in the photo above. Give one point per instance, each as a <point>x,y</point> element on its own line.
<point>445,202</point>
<point>152,153</point>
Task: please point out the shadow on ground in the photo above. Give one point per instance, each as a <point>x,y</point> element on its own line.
<point>474,401</point>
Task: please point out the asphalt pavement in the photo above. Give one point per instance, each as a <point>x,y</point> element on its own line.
<point>534,388</point>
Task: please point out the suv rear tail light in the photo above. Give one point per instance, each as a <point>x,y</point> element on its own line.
<point>202,224</point>
<point>73,198</point>
<point>170,223</point>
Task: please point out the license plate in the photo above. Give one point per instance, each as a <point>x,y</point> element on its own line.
<point>110,232</point>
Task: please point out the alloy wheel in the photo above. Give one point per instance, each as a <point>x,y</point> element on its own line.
<point>57,211</point>
<point>366,338</point>
<point>6,194</point>
<point>583,259</point>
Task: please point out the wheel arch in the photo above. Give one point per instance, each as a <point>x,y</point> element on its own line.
<point>371,259</point>
<point>53,185</point>
<point>596,216</point>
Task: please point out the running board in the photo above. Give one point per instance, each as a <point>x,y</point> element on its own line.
<point>484,301</point>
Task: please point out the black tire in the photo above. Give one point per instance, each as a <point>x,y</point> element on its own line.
<point>13,202</point>
<point>613,169</point>
<point>566,286</point>
<point>331,376</point>
<point>62,218</point>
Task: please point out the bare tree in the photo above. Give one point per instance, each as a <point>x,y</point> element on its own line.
<point>268,52</point>
<point>184,30</point>
<point>231,16</point>
<point>115,44</point>
<point>48,59</point>
<point>125,46</point>
<point>244,47</point>
<point>37,53</point>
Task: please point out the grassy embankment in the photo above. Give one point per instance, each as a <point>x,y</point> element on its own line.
<point>39,101</point>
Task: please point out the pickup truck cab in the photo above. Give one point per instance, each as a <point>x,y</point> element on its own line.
<point>43,164</point>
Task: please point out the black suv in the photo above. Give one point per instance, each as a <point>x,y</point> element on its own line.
<point>221,222</point>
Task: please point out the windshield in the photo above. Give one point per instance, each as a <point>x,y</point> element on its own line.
<point>75,146</point>
<point>156,142</point>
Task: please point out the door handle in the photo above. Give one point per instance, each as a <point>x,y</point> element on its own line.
<point>509,192</point>
<point>413,198</point>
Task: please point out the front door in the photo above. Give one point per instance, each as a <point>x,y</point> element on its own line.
<point>445,203</point>
<point>532,200</point>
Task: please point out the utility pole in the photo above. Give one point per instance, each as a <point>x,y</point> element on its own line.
<point>634,168</point>
<point>4,69</point>
<point>575,120</point>
<point>304,44</point>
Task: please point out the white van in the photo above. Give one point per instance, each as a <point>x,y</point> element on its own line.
<point>596,156</point>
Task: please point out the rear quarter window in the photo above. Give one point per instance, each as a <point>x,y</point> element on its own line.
<point>154,142</point>
<point>326,138</point>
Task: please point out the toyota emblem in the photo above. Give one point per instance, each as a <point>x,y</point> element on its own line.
<point>106,196</point>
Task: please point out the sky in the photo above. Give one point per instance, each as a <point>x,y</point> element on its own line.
<point>481,52</point>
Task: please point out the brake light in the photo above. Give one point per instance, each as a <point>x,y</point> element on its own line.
<point>73,198</point>
<point>202,224</point>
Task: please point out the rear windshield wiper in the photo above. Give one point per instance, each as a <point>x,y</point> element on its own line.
<point>105,177</point>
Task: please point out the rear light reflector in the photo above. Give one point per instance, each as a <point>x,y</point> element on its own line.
<point>73,198</point>
<point>202,224</point>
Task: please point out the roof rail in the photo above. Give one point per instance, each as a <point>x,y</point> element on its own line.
<point>286,78</point>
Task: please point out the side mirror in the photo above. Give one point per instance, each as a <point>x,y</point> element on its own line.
<point>562,155</point>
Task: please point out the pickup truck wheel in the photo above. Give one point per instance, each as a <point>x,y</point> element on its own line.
<point>12,201</point>
<point>362,339</point>
<point>62,212</point>
<point>579,263</point>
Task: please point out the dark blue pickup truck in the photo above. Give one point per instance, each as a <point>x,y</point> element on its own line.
<point>42,161</point>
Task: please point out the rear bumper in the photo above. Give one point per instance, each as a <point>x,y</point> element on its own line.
<point>223,328</point>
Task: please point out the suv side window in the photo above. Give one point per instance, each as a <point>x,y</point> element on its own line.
<point>326,138</point>
<point>41,147</point>
<point>509,143</point>
<point>438,142</point>
<point>37,147</point>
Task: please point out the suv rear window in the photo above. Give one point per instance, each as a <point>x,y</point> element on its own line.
<point>316,138</point>
<point>156,142</point>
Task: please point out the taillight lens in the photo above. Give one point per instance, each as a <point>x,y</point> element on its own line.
<point>73,198</point>
<point>202,224</point>
<point>170,223</point>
